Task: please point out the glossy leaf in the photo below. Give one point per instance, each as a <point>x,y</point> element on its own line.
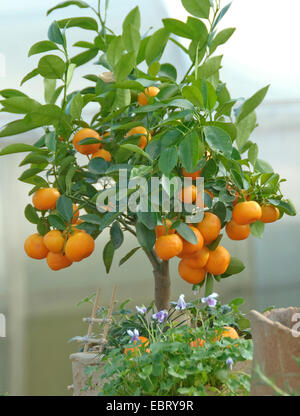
<point>81,4</point>
<point>198,8</point>
<point>156,45</point>
<point>252,102</point>
<point>65,207</point>
<point>218,140</point>
<point>43,46</point>
<point>51,66</point>
<point>108,255</point>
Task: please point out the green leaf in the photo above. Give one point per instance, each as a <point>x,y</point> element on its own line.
<point>218,140</point>
<point>43,226</point>
<point>252,154</point>
<point>257,229</point>
<point>35,158</point>
<point>19,105</point>
<point>84,57</point>
<point>168,71</point>
<point>108,255</point>
<point>149,219</point>
<point>145,237</point>
<point>287,206</point>
<point>128,255</point>
<point>221,38</point>
<point>178,28</point>
<point>49,89</point>
<point>189,151</point>
<point>50,141</point>
<point>29,173</point>
<point>209,285</point>
<point>9,93</point>
<point>98,166</point>
<point>31,214</point>
<point>81,4</point>
<point>198,8</point>
<point>51,66</point>
<point>130,84</point>
<point>252,102</point>
<point>76,106</point>
<point>235,266</point>
<point>57,222</point>
<point>186,232</point>
<point>65,207</point>
<point>87,23</point>
<point>55,35</point>
<point>210,67</point>
<point>263,166</point>
<point>17,148</point>
<point>244,129</point>
<point>156,45</point>
<point>168,160</point>
<point>131,38</point>
<point>19,126</point>
<point>136,149</point>
<point>115,50</point>
<point>116,235</point>
<point>43,46</point>
<point>30,75</point>
<point>193,94</point>
<point>133,19</point>
<point>124,66</point>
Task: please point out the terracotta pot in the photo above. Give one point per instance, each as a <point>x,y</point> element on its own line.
<point>276,344</point>
<point>80,361</point>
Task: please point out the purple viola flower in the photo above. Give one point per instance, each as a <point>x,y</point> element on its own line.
<point>181,305</point>
<point>229,362</point>
<point>210,300</point>
<point>161,316</point>
<point>141,309</point>
<point>134,335</point>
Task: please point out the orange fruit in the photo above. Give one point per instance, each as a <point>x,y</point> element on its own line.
<point>143,139</point>
<point>269,214</point>
<point>86,149</point>
<point>161,229</point>
<point>35,248</point>
<point>104,154</point>
<point>197,260</point>
<point>230,333</point>
<point>218,261</point>
<point>246,212</point>
<point>197,343</point>
<point>188,194</point>
<point>54,241</point>
<point>209,227</point>
<point>190,275</point>
<point>58,261</point>
<point>79,246</point>
<point>45,198</point>
<point>75,214</point>
<point>192,175</point>
<point>168,246</point>
<point>134,350</point>
<point>189,248</point>
<point>237,232</point>
<point>148,93</point>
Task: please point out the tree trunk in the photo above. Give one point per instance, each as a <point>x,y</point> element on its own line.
<point>162,286</point>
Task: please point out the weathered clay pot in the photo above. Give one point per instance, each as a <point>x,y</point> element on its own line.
<point>276,345</point>
<point>80,361</point>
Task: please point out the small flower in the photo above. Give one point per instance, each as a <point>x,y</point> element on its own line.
<point>229,362</point>
<point>142,310</point>
<point>160,316</point>
<point>134,335</point>
<point>210,300</point>
<point>181,305</point>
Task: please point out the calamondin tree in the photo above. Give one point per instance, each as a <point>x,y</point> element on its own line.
<point>147,124</point>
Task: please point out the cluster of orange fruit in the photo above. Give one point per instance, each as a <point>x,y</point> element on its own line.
<point>228,332</point>
<point>198,259</point>
<point>60,248</point>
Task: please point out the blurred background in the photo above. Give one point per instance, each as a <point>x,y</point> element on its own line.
<point>40,305</point>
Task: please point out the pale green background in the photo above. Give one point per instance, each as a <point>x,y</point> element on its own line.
<point>40,304</point>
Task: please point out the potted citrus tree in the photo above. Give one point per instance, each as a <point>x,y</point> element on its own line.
<point>147,124</point>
